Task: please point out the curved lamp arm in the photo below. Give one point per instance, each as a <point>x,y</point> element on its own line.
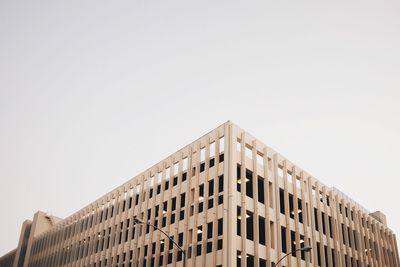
<point>306,249</point>
<point>139,221</point>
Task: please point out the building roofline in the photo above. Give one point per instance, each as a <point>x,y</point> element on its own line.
<point>184,149</point>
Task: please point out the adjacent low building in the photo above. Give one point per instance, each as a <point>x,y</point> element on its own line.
<point>30,230</point>
<point>226,199</point>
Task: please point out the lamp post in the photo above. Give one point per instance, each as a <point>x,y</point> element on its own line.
<point>305,249</point>
<point>139,221</point>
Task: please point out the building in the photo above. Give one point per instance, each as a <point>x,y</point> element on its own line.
<point>30,231</point>
<point>228,200</point>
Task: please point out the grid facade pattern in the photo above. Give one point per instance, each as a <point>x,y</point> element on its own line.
<point>285,209</point>
<point>228,200</point>
<point>183,195</point>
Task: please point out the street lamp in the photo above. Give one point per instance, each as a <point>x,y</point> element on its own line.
<point>139,221</point>
<point>305,249</point>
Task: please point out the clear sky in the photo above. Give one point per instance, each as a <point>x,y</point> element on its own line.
<point>94,92</point>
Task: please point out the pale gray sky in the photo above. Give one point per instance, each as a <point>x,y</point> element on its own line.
<point>94,92</point>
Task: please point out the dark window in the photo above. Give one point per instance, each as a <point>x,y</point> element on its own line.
<point>249,225</point>
<point>184,176</point>
<point>212,162</point>
<point>250,260</point>
<point>182,200</point>
<point>260,181</point>
<point>220,199</point>
<point>261,232</point>
<point>201,207</point>
<point>211,187</point>
<point>293,243</point>
<point>169,258</point>
<point>299,207</point>
<point>165,203</point>
<point>238,176</point>
<point>220,183</point>
<point>175,181</point>
<point>166,185</point>
<point>209,246</point>
<point>198,250</point>
<point>151,195</point>
<point>202,167</point>
<point>249,183</point>
<point>136,200</point>
<point>210,203</point>
<point>221,157</point>
<point>209,230</point>
<point>303,254</point>
<point>158,189</point>
<point>180,256</point>
<point>282,200</point>
<point>291,206</point>
<point>174,203</point>
<point>148,215</point>
<point>283,238</point>
<point>219,244</point>
<point>220,226</point>
<point>130,205</point>
<point>316,219</point>
<point>263,263</point>
<point>182,215</point>
<point>326,255</point>
<point>343,234</point>
<point>199,233</point>
<point>238,221</point>
<point>201,190</point>
<point>162,242</point>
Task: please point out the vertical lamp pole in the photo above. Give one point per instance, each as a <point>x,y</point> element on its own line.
<point>305,249</point>
<point>138,221</point>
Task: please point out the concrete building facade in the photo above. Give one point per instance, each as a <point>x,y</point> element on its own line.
<point>228,200</point>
